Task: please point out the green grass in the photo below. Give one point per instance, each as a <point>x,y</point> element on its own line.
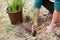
<point>15,5</point>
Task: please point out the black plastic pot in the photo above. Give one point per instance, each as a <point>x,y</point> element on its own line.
<point>16,17</point>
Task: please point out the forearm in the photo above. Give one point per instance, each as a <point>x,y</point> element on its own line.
<point>37,6</point>
<point>55,17</point>
<point>36,11</point>
<point>56,13</point>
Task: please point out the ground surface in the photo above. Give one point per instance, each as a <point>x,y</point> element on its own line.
<point>23,31</point>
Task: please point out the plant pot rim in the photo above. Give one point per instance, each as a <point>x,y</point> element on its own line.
<point>14,12</point>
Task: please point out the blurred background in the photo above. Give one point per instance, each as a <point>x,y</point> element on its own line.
<point>17,32</point>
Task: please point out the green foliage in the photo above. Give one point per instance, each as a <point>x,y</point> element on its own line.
<point>15,5</point>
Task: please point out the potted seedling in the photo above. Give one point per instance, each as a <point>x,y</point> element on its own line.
<point>14,11</point>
